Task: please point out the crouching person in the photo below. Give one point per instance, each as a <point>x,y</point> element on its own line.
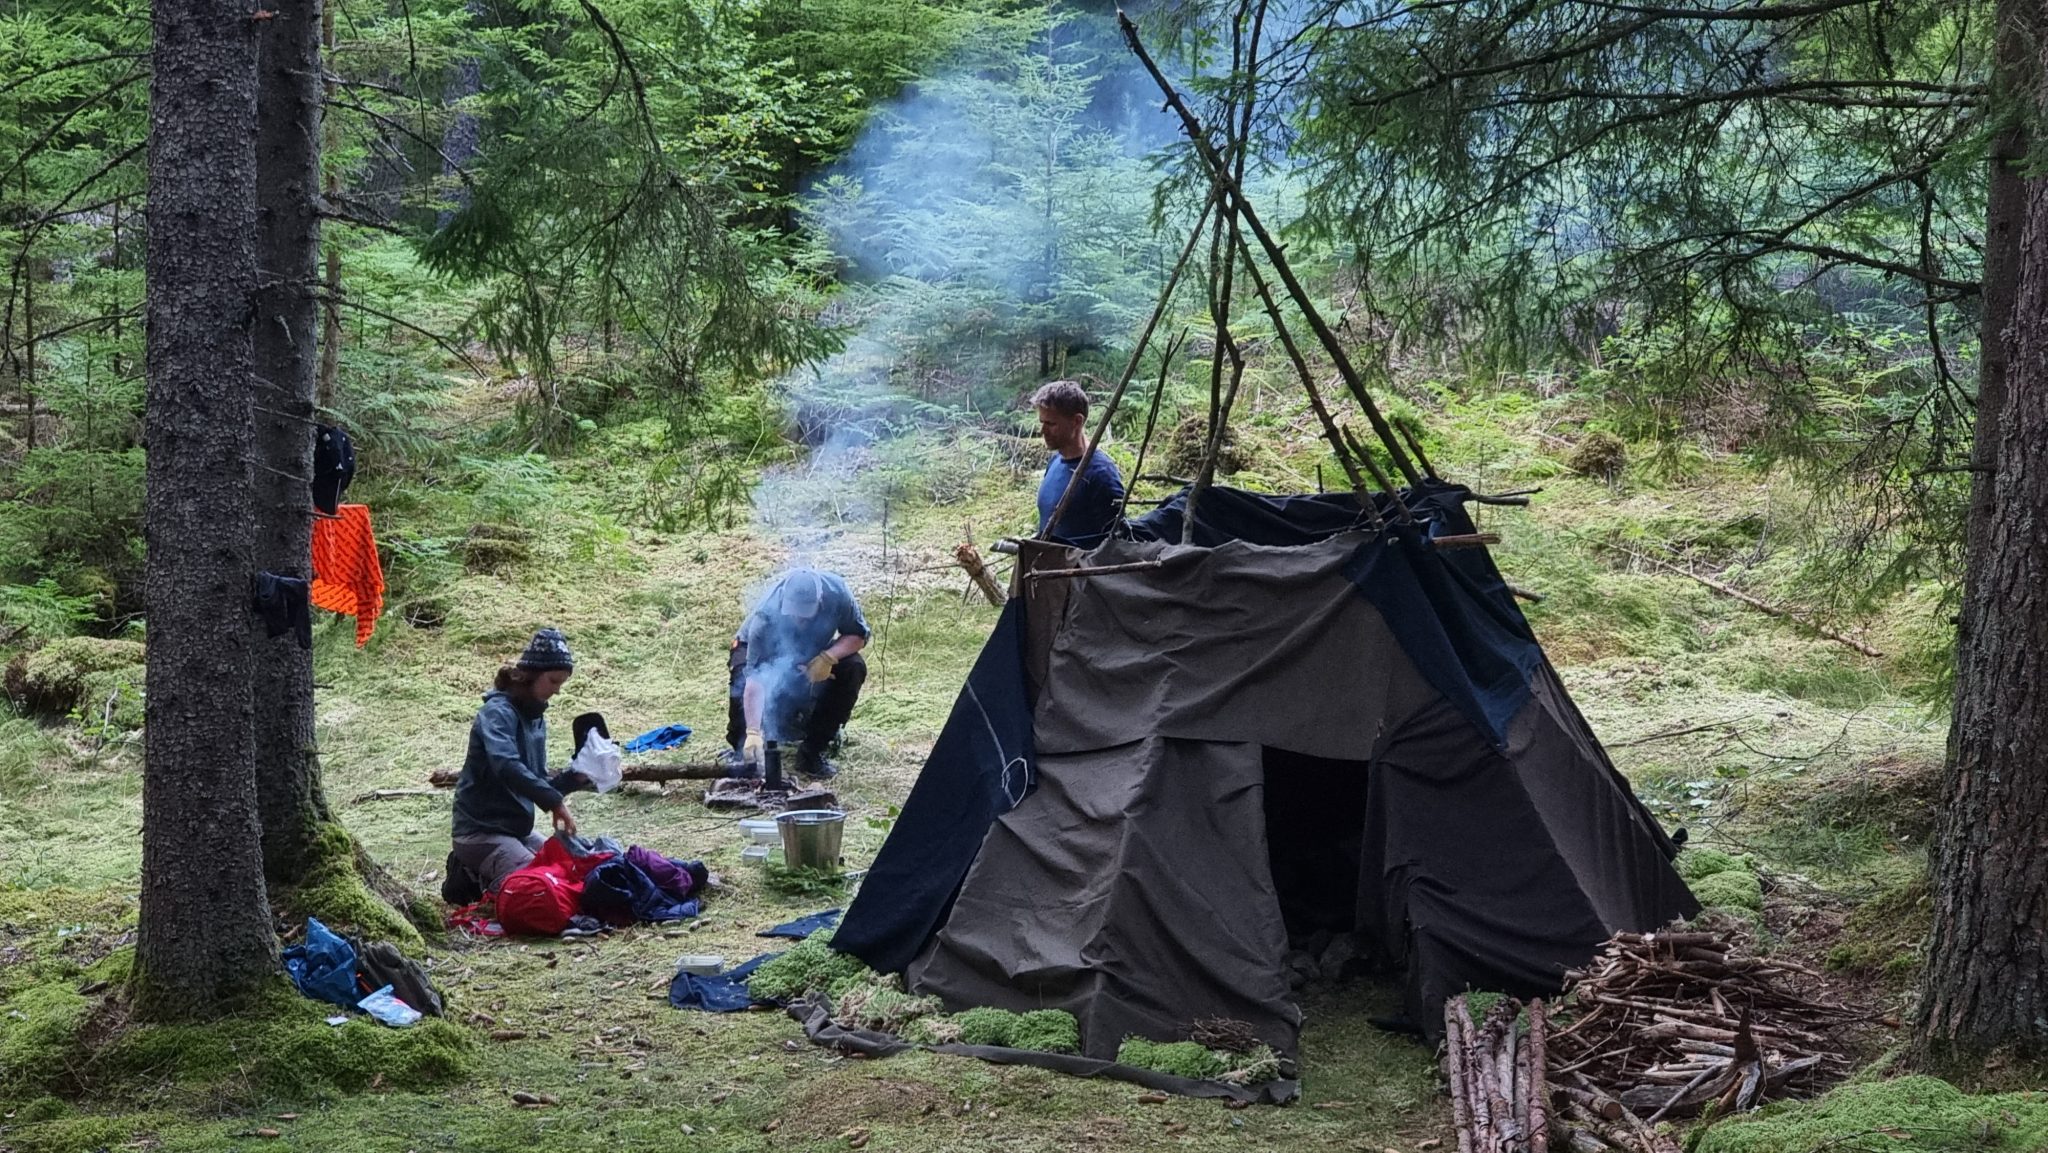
<point>504,777</point>
<point>796,672</point>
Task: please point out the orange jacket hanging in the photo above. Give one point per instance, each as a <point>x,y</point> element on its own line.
<point>346,576</point>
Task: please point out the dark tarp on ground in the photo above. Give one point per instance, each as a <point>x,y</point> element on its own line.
<point>1136,888</point>
<point>981,766</point>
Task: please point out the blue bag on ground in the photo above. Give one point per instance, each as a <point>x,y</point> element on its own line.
<point>324,967</point>
<point>622,893</point>
<point>719,993</point>
<point>654,740</point>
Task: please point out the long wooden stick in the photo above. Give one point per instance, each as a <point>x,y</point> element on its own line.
<point>1220,176</point>
<point>1098,570</point>
<point>446,778</point>
<point>1130,369</point>
<point>1308,383</point>
<point>1733,593</point>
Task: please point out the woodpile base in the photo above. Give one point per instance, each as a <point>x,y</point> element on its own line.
<point>1661,1026</point>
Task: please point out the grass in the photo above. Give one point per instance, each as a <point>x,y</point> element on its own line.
<point>1728,721</point>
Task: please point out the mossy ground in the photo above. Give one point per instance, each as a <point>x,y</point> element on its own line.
<point>1728,721</point>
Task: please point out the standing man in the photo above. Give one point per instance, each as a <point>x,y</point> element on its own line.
<point>1062,421</point>
<point>796,671</point>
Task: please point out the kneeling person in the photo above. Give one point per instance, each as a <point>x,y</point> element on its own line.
<point>504,776</point>
<point>796,670</point>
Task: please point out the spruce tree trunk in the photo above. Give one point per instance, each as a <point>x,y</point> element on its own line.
<point>286,359</point>
<point>204,938</point>
<point>1986,982</point>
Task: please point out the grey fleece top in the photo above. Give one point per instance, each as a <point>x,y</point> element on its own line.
<point>505,774</point>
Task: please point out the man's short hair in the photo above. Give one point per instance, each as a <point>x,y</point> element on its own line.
<point>1065,397</point>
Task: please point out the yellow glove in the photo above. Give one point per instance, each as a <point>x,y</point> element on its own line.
<point>820,667</point>
<point>755,748</point>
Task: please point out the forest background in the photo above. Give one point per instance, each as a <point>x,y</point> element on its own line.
<point>598,275</point>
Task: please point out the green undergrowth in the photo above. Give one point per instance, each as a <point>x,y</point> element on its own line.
<point>810,966</point>
<point>1722,881</point>
<point>335,892</point>
<point>1910,1113</point>
<point>1882,937</point>
<point>56,1040</point>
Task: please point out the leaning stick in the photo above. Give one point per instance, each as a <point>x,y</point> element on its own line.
<point>1219,174</point>
<point>1308,383</point>
<point>1130,367</point>
<point>1730,591</point>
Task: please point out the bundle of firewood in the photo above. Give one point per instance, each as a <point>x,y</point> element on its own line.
<point>1670,1022</point>
<point>1661,1025</point>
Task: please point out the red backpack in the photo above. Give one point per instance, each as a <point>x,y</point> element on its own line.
<point>540,898</point>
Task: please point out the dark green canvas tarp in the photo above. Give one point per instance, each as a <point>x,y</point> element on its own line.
<point>1238,745</point>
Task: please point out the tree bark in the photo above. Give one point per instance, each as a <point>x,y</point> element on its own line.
<point>1986,982</point>
<point>287,319</point>
<point>204,939</point>
<point>330,311</point>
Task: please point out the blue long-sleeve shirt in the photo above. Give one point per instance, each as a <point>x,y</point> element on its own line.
<point>504,776</point>
<point>1093,511</point>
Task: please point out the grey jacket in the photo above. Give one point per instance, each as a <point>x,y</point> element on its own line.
<point>505,774</point>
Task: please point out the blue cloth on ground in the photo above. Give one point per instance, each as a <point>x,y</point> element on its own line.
<point>719,993</point>
<point>803,927</point>
<point>324,967</point>
<point>654,740</point>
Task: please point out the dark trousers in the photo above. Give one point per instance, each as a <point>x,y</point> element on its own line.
<point>831,702</point>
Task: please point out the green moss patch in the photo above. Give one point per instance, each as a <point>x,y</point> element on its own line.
<point>1046,1030</point>
<point>77,673</point>
<point>810,967</point>
<point>1734,889</point>
<point>283,1048</point>
<point>39,1029</point>
<point>1918,1113</point>
<point>1699,864</point>
<point>335,892</point>
<point>1180,1058</point>
<point>1882,937</point>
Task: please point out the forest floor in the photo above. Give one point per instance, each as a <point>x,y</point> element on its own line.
<point>1760,737</point>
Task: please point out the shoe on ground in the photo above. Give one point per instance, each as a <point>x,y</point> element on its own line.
<point>814,767</point>
<point>459,886</point>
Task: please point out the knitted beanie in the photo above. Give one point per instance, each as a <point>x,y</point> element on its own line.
<point>548,649</point>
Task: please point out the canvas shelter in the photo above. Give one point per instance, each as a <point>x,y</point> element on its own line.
<point>1304,720</point>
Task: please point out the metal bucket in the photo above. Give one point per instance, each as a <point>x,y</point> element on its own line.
<point>810,838</point>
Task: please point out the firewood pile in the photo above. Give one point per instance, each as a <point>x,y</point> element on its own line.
<point>1659,1026</point>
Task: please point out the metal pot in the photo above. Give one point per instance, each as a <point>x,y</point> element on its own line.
<point>811,837</point>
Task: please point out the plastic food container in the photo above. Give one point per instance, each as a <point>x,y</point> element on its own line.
<point>755,854</point>
<point>700,964</point>
<point>761,831</point>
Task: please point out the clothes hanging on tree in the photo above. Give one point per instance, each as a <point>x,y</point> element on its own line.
<point>334,466</point>
<point>282,603</point>
<point>346,576</point>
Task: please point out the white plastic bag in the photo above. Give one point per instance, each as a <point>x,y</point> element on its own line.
<point>599,760</point>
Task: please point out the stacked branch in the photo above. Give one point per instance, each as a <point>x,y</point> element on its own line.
<point>1670,1023</point>
<point>1660,1026</point>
